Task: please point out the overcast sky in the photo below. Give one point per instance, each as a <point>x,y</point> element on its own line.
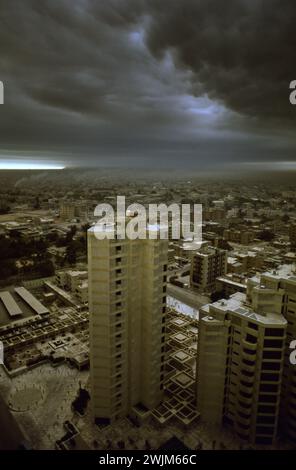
<point>189,83</point>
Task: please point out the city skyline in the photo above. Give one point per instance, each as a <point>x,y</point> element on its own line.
<point>148,230</point>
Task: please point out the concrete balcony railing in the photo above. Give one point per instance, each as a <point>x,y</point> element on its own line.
<point>247,344</point>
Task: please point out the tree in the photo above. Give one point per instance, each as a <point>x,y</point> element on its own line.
<point>7,269</point>
<point>37,203</point>
<point>85,227</point>
<point>224,245</point>
<point>71,256</point>
<point>285,218</point>
<point>4,209</point>
<point>46,268</point>
<point>266,235</point>
<point>218,295</point>
<point>73,230</point>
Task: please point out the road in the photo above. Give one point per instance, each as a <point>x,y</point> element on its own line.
<point>188,297</point>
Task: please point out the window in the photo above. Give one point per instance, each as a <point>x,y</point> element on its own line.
<point>243,415</point>
<point>264,430</point>
<point>268,398</point>
<point>251,339</point>
<point>247,373</point>
<point>273,343</point>
<point>266,419</point>
<point>272,354</point>
<point>271,365</point>
<point>274,332</point>
<point>249,351</point>
<point>269,377</point>
<point>242,425</point>
<point>246,384</point>
<point>248,363</point>
<point>252,325</point>
<point>244,405</point>
<point>268,388</point>
<point>266,409</point>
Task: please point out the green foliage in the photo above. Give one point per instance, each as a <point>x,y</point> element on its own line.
<point>266,235</point>
<point>7,268</point>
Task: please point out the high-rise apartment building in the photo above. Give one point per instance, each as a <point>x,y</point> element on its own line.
<point>240,368</point>
<point>208,264</point>
<point>276,292</point>
<point>127,302</point>
<point>244,374</point>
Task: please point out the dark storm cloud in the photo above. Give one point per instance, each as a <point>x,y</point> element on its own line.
<point>240,51</point>
<point>187,79</point>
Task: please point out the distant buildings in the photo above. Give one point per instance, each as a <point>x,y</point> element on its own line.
<point>292,235</point>
<point>244,236</point>
<point>206,266</point>
<point>184,250</point>
<point>127,303</point>
<point>230,284</point>
<point>69,210</point>
<point>74,281</point>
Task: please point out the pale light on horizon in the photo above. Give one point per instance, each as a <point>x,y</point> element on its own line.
<point>271,166</point>
<point>27,165</point>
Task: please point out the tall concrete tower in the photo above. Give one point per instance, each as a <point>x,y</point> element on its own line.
<point>127,302</point>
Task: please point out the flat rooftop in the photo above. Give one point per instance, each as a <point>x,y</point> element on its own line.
<point>10,304</point>
<point>31,300</point>
<point>24,307</point>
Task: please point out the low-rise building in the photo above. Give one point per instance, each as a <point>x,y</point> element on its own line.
<point>208,264</point>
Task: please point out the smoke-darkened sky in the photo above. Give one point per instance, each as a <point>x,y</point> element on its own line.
<point>195,83</point>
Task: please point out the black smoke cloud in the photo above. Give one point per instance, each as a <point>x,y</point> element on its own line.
<point>142,81</point>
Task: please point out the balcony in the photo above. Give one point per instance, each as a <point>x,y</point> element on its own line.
<point>251,346</point>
